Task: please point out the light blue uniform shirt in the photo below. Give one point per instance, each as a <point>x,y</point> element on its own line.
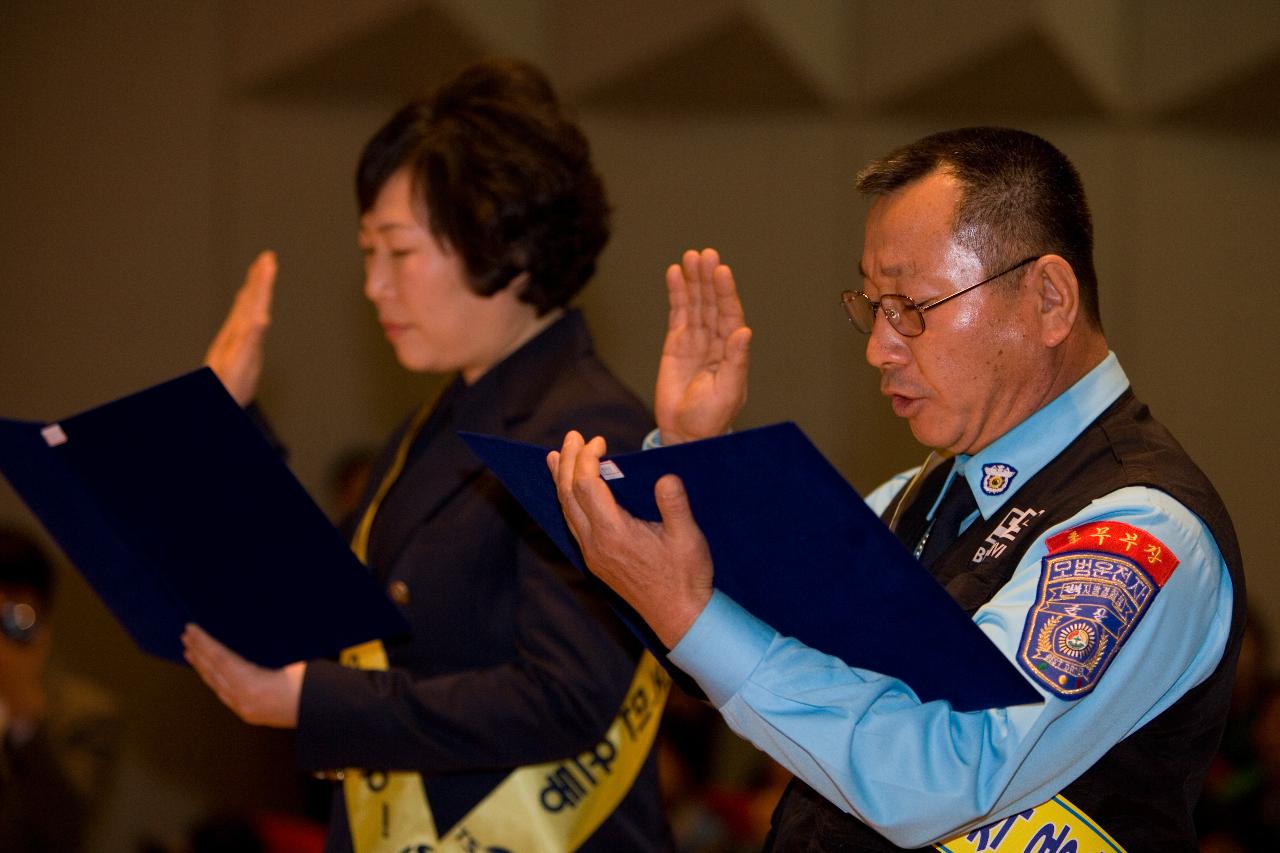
<point>920,773</point>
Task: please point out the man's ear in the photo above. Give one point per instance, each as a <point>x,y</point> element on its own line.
<point>1057,294</point>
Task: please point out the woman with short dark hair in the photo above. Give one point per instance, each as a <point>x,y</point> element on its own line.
<point>498,723</point>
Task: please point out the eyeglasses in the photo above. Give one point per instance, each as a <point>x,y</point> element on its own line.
<point>906,317</point>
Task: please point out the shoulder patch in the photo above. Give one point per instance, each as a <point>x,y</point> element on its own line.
<point>1088,604</point>
<point>1123,540</point>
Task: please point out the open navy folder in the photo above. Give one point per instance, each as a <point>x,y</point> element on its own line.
<point>176,509</point>
<point>795,545</point>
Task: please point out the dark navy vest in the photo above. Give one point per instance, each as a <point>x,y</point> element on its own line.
<point>1143,790</point>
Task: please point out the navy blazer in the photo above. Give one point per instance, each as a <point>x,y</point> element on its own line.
<point>515,657</point>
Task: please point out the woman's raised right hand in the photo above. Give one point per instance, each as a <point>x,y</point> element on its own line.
<point>236,354</point>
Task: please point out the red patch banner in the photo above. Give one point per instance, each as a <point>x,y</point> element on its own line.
<point>1125,540</point>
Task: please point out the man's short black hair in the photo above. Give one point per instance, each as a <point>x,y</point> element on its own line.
<point>506,176</point>
<point>1020,196</point>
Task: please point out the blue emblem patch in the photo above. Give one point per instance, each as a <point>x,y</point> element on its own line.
<point>1088,604</point>
<point>996,477</point>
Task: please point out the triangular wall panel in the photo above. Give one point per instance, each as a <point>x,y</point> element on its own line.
<point>1024,76</point>
<point>735,67</point>
<point>389,62</point>
<point>1248,102</point>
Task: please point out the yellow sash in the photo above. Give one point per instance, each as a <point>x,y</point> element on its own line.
<point>541,807</point>
<point>1050,826</point>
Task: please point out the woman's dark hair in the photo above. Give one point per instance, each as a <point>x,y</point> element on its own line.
<point>506,177</point>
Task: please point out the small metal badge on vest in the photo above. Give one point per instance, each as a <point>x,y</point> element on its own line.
<point>996,477</point>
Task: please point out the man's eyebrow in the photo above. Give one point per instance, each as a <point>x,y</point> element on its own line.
<point>894,271</point>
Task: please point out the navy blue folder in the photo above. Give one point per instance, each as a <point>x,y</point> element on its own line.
<point>795,545</point>
<point>176,509</point>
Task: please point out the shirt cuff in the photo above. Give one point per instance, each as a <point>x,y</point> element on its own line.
<point>722,648</point>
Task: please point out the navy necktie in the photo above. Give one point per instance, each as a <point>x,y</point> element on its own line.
<point>956,505</point>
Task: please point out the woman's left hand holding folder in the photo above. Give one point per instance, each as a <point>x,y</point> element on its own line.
<point>256,694</point>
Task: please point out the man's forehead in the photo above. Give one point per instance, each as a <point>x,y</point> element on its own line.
<point>926,204</point>
<point>911,229</point>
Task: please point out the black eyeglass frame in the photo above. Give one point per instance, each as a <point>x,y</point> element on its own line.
<point>847,298</point>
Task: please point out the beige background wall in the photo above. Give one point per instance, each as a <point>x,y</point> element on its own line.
<point>151,148</point>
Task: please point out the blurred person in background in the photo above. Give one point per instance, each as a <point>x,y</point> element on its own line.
<point>58,733</point>
<point>1239,809</point>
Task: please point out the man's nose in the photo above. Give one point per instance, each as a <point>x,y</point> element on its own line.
<point>885,346</point>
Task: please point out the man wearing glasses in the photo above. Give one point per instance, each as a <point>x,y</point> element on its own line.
<point>1053,508</point>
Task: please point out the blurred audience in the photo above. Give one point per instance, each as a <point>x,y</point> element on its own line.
<point>718,790</point>
<point>347,479</point>
<point>1240,807</point>
<point>59,733</point>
